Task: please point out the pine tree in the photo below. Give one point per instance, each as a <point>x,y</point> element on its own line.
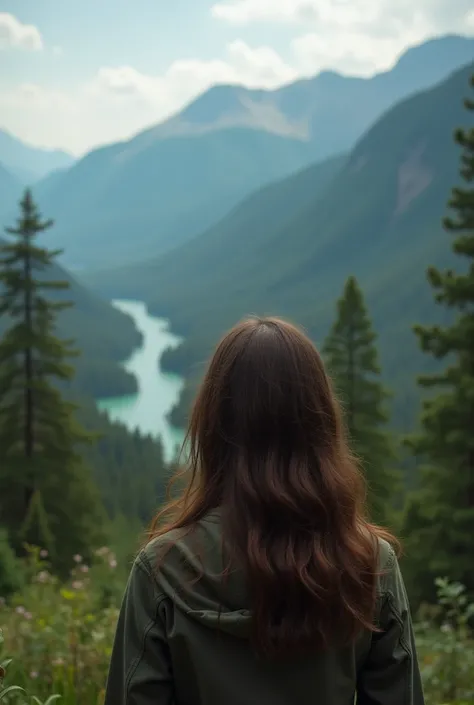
<point>441,518</point>
<point>352,359</point>
<point>46,495</point>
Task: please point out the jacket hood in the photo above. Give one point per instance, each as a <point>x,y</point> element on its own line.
<point>191,569</point>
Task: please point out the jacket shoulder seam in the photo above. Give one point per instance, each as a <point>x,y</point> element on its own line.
<point>141,563</point>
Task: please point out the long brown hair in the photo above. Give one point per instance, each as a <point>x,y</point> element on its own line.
<point>267,446</point>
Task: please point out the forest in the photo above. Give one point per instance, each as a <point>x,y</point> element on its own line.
<point>76,491</point>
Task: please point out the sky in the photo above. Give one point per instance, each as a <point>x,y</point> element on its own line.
<point>75,74</point>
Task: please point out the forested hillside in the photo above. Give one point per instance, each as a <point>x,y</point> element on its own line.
<point>379,218</point>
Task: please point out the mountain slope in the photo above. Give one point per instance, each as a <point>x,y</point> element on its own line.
<point>379,219</point>
<point>121,202</point>
<point>141,197</point>
<point>27,163</point>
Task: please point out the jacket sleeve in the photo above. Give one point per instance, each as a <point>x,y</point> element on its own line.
<point>390,674</point>
<point>140,669</point>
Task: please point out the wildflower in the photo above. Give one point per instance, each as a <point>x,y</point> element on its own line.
<point>27,615</point>
<point>44,553</point>
<point>102,551</point>
<point>58,661</point>
<point>77,585</point>
<point>84,568</point>
<point>34,674</point>
<point>20,610</point>
<point>113,563</point>
<point>43,577</point>
<point>77,558</point>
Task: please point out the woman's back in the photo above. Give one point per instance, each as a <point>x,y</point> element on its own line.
<point>267,584</point>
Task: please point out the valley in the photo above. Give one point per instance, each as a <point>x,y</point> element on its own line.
<point>157,392</point>
<point>288,248</point>
<point>322,201</point>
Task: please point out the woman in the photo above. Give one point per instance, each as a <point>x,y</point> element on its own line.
<point>264,583</point>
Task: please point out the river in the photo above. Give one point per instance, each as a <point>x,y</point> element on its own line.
<point>158,391</point>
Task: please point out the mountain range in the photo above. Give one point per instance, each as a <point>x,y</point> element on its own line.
<point>375,214</point>
<point>27,163</point>
<point>141,197</point>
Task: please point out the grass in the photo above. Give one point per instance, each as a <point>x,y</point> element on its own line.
<point>57,638</point>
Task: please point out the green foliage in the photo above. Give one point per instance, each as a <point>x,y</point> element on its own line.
<point>446,645</point>
<point>352,359</point>
<point>441,520</point>
<point>47,496</point>
<point>59,635</point>
<point>11,570</point>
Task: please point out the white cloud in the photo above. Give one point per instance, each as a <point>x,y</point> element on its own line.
<point>119,101</point>
<point>15,35</point>
<point>384,14</point>
<point>356,36</point>
<point>244,65</point>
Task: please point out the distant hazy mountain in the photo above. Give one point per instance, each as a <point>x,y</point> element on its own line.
<point>136,199</point>
<point>331,111</point>
<point>10,190</point>
<point>122,202</point>
<point>27,163</point>
<point>379,218</point>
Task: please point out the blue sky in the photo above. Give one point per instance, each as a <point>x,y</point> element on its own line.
<point>78,73</point>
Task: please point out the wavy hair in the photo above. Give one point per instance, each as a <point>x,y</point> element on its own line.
<point>267,445</point>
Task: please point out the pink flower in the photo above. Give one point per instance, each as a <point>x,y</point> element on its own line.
<point>77,585</point>
<point>44,553</point>
<point>77,558</point>
<point>84,568</point>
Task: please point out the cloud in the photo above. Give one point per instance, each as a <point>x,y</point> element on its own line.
<point>253,67</point>
<point>354,13</point>
<point>356,36</point>
<point>15,35</point>
<point>119,100</point>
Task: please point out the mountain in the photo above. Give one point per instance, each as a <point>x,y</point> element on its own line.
<point>10,189</point>
<point>378,218</point>
<point>28,163</point>
<point>121,202</point>
<point>316,109</point>
<point>141,197</point>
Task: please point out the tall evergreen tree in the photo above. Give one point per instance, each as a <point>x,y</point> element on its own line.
<point>352,359</point>
<point>441,518</point>
<point>47,497</point>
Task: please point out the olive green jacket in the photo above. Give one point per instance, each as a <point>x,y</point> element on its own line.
<point>183,639</point>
